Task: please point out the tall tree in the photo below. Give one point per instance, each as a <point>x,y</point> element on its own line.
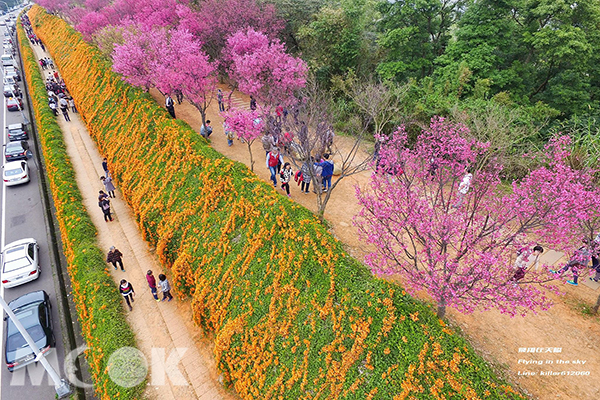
<point>414,33</point>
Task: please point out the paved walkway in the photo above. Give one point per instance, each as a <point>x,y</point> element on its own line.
<point>158,326</point>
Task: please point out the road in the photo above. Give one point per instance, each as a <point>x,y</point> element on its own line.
<point>23,216</point>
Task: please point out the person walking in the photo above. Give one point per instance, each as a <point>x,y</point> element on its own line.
<point>327,172</point>
<point>53,107</point>
<point>115,257</point>
<point>306,177</point>
<point>170,104</point>
<point>108,185</point>
<point>220,100</point>
<point>105,166</point>
<point>206,130</point>
<point>165,287</point>
<point>127,292</point>
<point>252,103</point>
<point>152,284</point>
<point>273,159</point>
<point>65,112</point>
<point>104,204</point>
<point>525,260</point>
<point>580,260</point>
<point>286,176</point>
<point>72,105</point>
<point>463,188</point>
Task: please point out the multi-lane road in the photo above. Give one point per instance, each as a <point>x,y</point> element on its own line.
<point>24,216</point>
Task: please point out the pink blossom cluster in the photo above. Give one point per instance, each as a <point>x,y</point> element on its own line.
<point>461,248</point>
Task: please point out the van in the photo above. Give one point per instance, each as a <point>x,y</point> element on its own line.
<point>6,59</point>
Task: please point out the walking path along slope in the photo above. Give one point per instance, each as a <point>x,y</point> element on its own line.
<point>160,328</point>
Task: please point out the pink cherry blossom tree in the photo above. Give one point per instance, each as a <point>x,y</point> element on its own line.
<point>135,59</point>
<point>458,242</point>
<point>216,20</point>
<point>248,126</point>
<point>170,60</point>
<point>261,67</point>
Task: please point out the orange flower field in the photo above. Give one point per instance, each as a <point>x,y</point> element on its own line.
<point>293,315</point>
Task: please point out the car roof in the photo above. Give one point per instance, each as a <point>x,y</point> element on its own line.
<point>16,126</point>
<point>14,164</point>
<point>29,298</point>
<point>14,145</point>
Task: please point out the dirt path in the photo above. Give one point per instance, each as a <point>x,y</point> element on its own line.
<point>499,338</point>
<point>161,328</point>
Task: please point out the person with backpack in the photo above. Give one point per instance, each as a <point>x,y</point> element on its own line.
<point>306,177</point>
<point>273,160</point>
<point>104,205</point>
<point>115,257</point>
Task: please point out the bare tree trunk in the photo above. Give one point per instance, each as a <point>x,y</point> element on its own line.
<point>251,159</point>
<point>595,308</point>
<point>441,309</point>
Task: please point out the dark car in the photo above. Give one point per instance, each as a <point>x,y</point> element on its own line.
<point>14,104</point>
<point>10,90</point>
<point>16,150</point>
<point>33,310</point>
<point>17,132</point>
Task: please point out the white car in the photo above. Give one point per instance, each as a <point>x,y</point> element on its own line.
<point>15,173</point>
<point>20,263</point>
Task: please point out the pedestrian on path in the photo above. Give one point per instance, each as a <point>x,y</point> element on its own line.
<point>105,166</point>
<point>165,287</point>
<point>327,172</point>
<point>72,105</point>
<point>53,107</point>
<point>525,260</point>
<point>115,257</point>
<point>65,112</point>
<point>170,104</point>
<point>108,185</point>
<point>152,284</point>
<point>286,176</point>
<point>127,292</point>
<point>228,134</point>
<point>220,100</point>
<point>206,130</point>
<point>273,160</point>
<point>179,96</point>
<point>463,188</point>
<point>252,103</point>
<point>104,204</point>
<point>579,261</point>
<point>306,177</point>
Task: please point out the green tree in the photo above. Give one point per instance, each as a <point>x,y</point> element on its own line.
<point>413,33</point>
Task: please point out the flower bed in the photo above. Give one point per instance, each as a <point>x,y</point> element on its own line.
<point>97,299</point>
<point>293,315</point>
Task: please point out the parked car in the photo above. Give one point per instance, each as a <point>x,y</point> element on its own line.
<point>14,104</point>
<point>7,59</point>
<point>34,311</point>
<point>20,263</point>
<point>12,71</point>
<point>12,74</point>
<point>16,150</point>
<point>17,132</point>
<point>15,173</point>
<point>10,89</point>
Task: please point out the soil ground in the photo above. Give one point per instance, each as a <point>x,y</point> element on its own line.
<point>567,328</point>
